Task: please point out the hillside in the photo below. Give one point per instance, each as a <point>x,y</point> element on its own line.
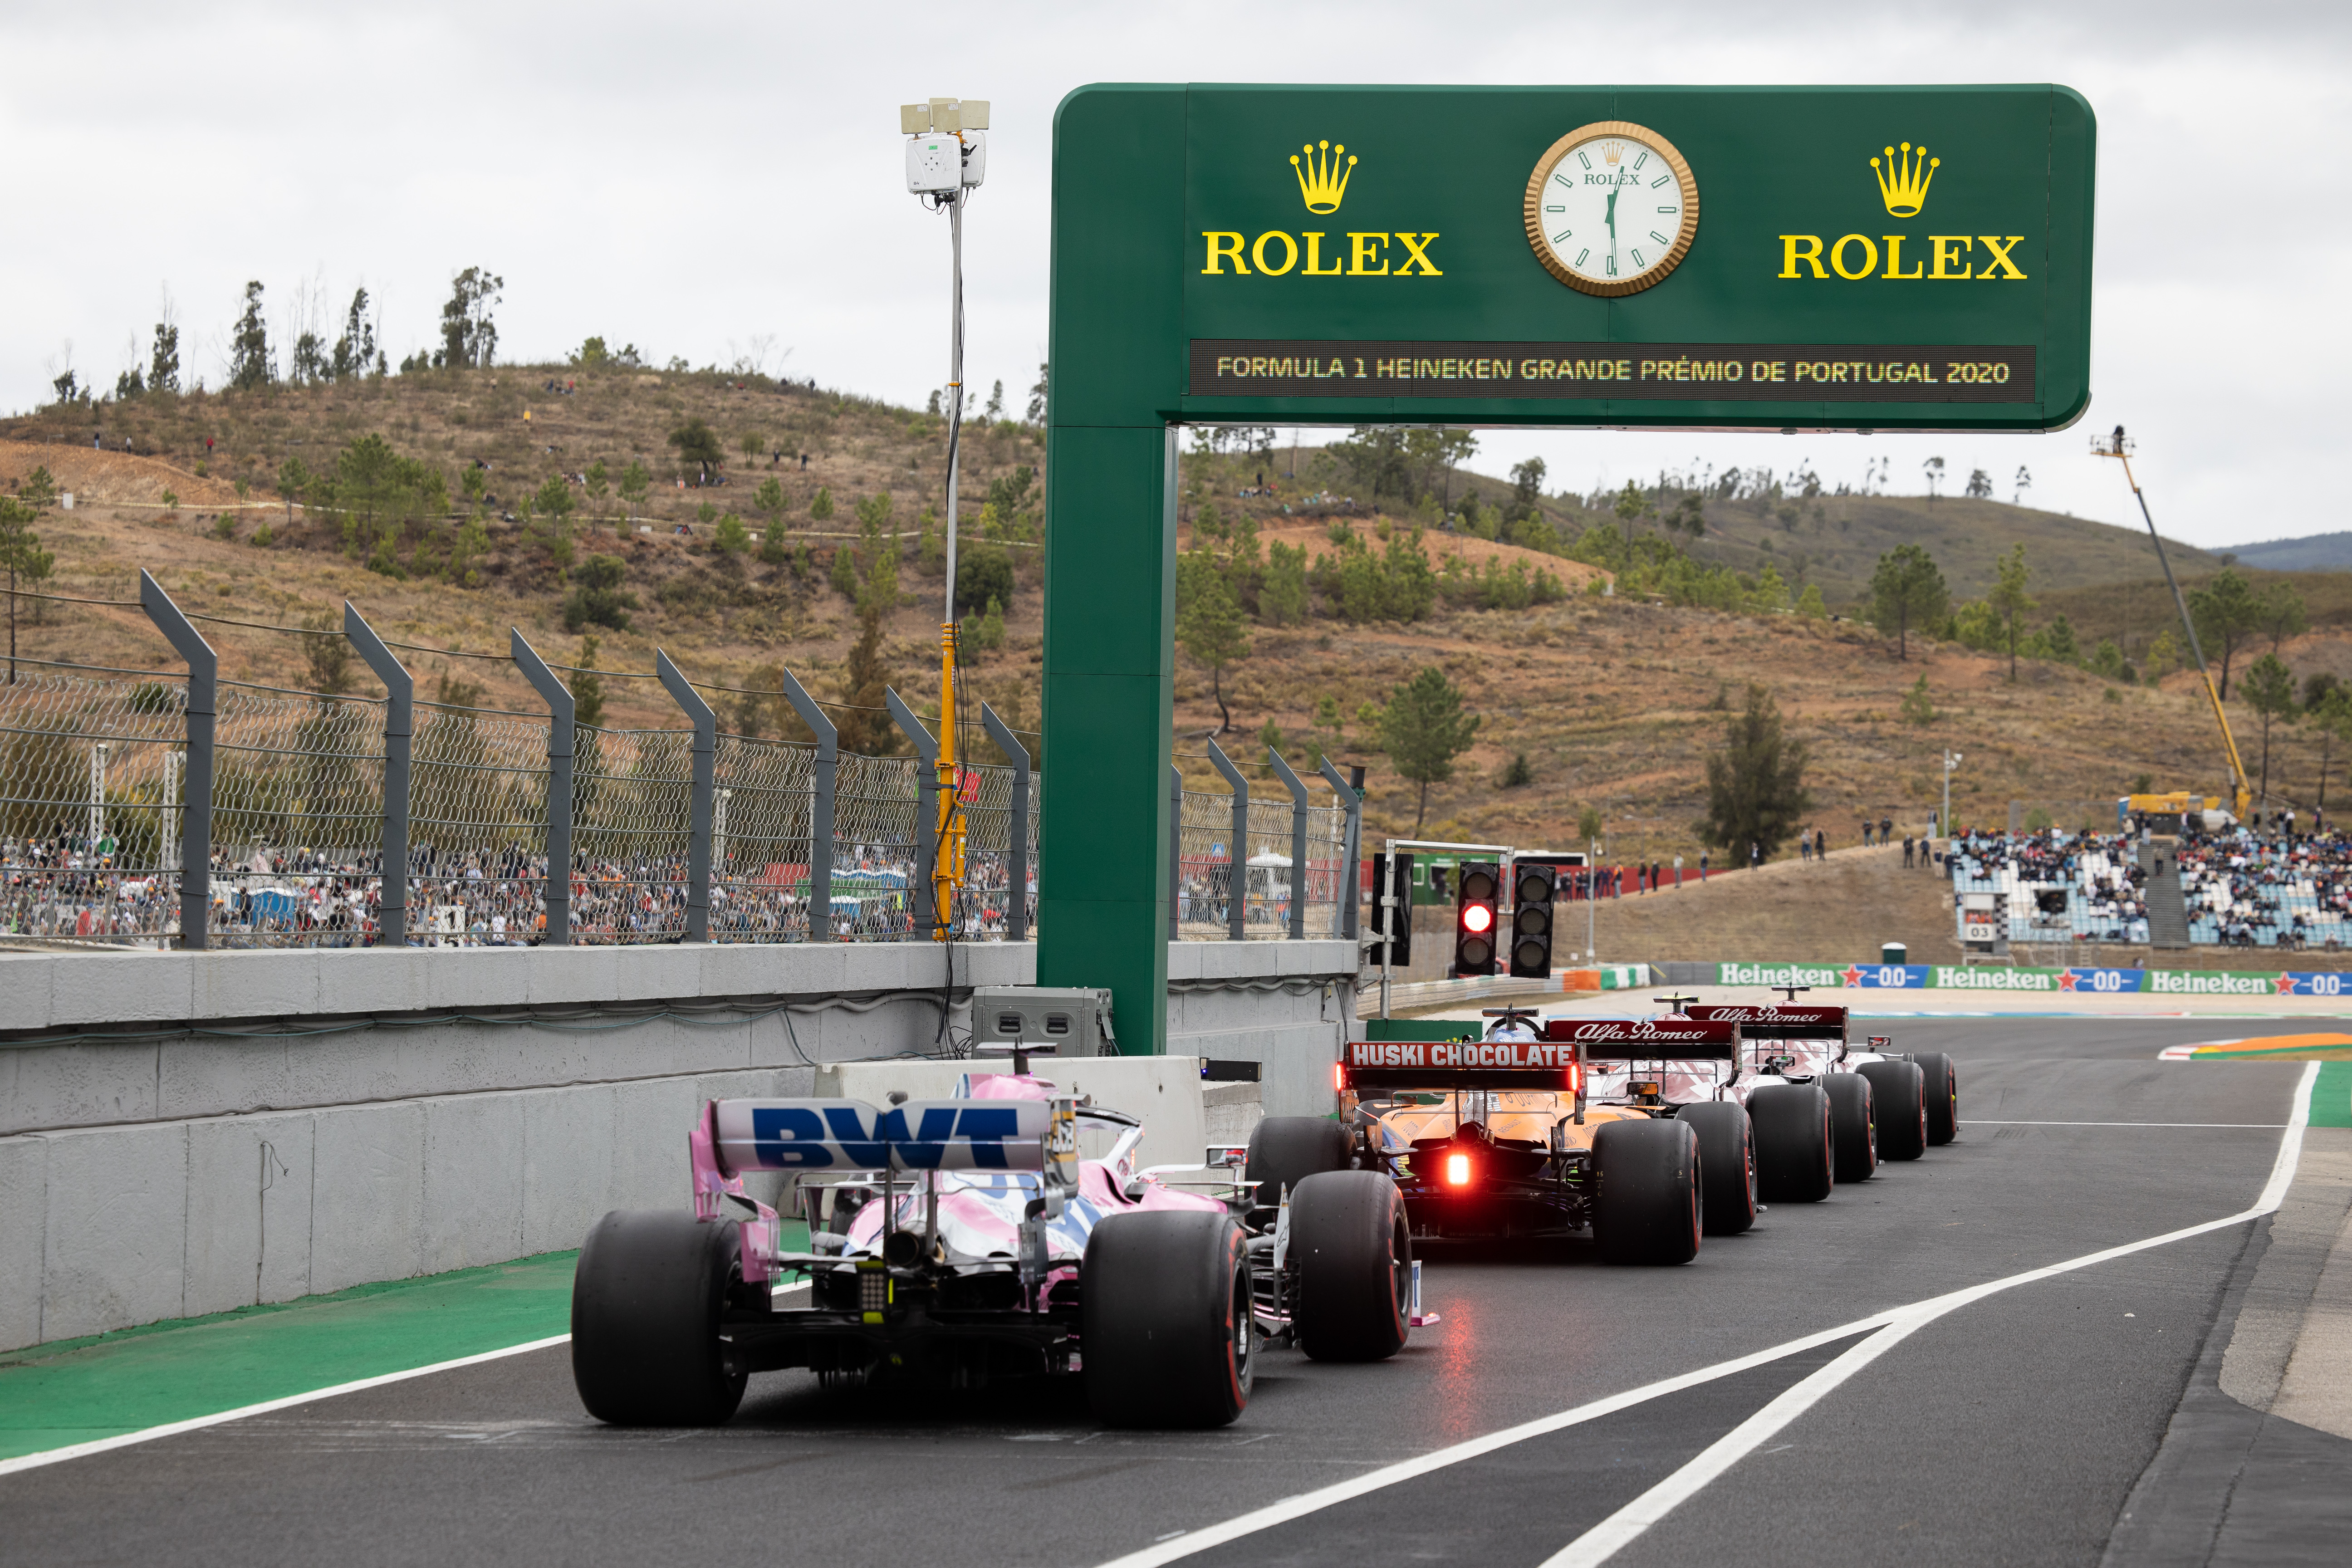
<point>1836,541</point>
<point>2312,552</point>
<point>1615,705</point>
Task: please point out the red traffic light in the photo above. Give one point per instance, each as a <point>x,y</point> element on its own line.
<point>1474,918</point>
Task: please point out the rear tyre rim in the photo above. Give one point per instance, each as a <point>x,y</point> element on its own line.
<point>1244,1334</point>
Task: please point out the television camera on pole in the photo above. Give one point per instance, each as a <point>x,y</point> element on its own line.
<point>946,159</point>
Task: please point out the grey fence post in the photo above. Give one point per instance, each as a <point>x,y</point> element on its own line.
<point>828,775</point>
<point>926,815</point>
<point>1343,917</point>
<point>1175,852</point>
<point>1298,845</point>
<point>706,787</point>
<point>1237,852</point>
<point>399,737</point>
<point>560,744</point>
<point>203,706</point>
<point>1016,832</point>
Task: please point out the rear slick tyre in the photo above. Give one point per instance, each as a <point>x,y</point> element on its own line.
<point>1354,1252</point>
<point>1853,1125</point>
<point>647,1296</point>
<point>1794,1163</point>
<point>1284,1150</point>
<point>1165,1323</point>
<point>1650,1203</point>
<point>1942,1095</point>
<point>1899,1103</point>
<point>1726,1153</point>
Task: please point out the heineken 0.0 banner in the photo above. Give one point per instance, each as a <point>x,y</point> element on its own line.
<point>2102,981</point>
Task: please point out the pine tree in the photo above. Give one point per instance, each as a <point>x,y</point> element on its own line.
<point>2007,600</point>
<point>468,336</point>
<point>1756,786</point>
<point>250,361</point>
<point>864,721</point>
<point>2227,612</point>
<point>1208,624</point>
<point>355,351</point>
<point>587,690</point>
<point>163,363</point>
<point>1907,590</point>
<point>1423,729</point>
<point>2269,690</point>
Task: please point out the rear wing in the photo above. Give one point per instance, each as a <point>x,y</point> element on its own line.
<point>803,1135</point>
<point>1780,1023</point>
<point>1660,1039</point>
<point>1458,1064</point>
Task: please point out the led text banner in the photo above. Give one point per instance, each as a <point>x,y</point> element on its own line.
<point>1773,373</point>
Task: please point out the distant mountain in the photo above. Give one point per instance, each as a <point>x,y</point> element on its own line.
<point>2312,552</point>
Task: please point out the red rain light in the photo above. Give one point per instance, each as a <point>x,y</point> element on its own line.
<point>1457,1169</point>
<point>1477,917</point>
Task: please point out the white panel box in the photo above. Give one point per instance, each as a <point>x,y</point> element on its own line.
<point>934,165</point>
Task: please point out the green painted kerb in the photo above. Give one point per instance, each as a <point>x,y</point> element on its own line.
<point>79,1390</point>
<point>1198,278</point>
<point>2331,1096</point>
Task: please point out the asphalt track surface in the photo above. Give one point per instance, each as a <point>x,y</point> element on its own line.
<point>2009,1430</point>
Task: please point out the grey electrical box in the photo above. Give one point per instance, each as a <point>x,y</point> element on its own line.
<point>1075,1020</point>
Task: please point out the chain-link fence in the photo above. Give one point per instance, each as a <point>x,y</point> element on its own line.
<point>91,788</point>
<point>984,902</point>
<point>478,828</point>
<point>877,853</point>
<point>762,821</point>
<point>632,831</point>
<point>1213,869</point>
<point>297,818</point>
<point>98,767</point>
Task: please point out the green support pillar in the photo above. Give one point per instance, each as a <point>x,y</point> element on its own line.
<point>1110,554</point>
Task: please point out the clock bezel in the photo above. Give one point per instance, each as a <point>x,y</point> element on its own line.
<point>1658,270</point>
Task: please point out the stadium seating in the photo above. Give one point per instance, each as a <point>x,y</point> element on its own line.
<point>2242,889</point>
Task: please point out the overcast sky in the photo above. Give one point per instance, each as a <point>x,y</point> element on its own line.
<point>704,181</point>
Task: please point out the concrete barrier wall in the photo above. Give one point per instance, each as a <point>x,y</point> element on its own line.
<point>374,1114</point>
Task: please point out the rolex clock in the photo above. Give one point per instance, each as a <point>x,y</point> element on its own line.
<point>1611,208</point>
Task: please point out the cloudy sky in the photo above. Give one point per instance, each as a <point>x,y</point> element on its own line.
<point>723,180</point>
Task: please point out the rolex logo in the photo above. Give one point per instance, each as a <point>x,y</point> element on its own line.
<point>1322,178</point>
<point>1612,153</point>
<point>1903,181</point>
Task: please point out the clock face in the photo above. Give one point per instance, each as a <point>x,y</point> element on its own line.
<point>1611,208</point>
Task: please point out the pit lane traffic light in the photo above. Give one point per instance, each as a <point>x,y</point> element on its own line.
<point>1475,900</point>
<point>1531,917</point>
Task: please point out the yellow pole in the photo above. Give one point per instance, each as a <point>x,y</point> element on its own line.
<point>947,870</point>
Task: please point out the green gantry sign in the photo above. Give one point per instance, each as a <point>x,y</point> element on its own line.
<point>1698,258</point>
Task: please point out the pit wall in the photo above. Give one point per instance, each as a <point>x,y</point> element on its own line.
<point>374,1114</point>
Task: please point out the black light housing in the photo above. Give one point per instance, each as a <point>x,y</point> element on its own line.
<point>1477,900</point>
<point>1532,890</point>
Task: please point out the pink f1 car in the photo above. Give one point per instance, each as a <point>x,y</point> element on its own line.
<point>966,1239</point>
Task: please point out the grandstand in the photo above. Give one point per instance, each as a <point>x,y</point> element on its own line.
<point>2242,889</point>
<point>2100,878</point>
<point>2247,891</point>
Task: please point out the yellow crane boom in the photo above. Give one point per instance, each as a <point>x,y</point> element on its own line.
<point>2120,448</point>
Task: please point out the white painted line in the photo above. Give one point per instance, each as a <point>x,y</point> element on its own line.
<point>1605,1539</point>
<point>1982,1122</point>
<point>197,1423</point>
<point>174,1428</point>
<point>1897,1323</point>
